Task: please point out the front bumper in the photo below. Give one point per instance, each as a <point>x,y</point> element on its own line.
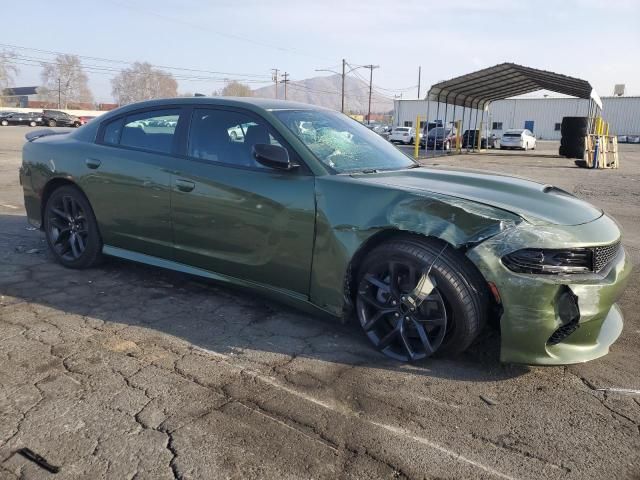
<point>530,310</point>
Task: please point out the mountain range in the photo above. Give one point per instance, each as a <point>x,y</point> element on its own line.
<point>326,92</point>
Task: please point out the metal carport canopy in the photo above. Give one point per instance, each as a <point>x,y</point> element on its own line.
<point>507,80</point>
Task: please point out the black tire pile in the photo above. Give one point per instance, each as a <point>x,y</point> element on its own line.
<point>574,131</point>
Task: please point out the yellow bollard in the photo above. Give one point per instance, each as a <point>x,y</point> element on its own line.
<point>458,137</point>
<point>416,141</point>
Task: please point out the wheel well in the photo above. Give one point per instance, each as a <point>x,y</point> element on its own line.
<point>351,277</point>
<point>49,188</point>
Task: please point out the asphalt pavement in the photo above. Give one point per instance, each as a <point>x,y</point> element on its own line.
<point>128,371</point>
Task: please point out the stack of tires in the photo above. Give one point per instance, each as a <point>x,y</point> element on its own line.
<point>574,131</point>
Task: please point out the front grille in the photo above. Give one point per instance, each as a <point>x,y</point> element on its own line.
<point>563,332</point>
<point>603,256</point>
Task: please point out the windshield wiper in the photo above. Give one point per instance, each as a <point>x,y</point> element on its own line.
<point>369,170</point>
<point>415,165</point>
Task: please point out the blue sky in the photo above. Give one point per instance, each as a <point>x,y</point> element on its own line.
<point>595,40</point>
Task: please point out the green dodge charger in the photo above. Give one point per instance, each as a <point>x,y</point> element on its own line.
<point>309,207</point>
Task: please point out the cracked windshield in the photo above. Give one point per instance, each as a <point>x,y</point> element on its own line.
<point>342,143</point>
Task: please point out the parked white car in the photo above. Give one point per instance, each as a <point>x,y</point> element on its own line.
<point>404,135</point>
<point>518,138</point>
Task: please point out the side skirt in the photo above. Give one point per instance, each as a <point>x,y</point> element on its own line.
<point>287,297</point>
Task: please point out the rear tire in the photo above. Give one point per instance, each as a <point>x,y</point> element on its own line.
<point>32,124</point>
<point>451,316</point>
<point>71,229</point>
<point>4,123</point>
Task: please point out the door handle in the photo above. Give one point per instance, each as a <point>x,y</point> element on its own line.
<point>185,185</point>
<point>93,163</point>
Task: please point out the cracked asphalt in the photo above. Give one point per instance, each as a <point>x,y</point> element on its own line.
<point>128,371</point>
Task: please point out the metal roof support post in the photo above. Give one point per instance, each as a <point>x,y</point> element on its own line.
<point>470,115</point>
<point>486,125</point>
<point>453,121</point>
<point>444,131</point>
<point>428,106</point>
<point>479,137</point>
<point>464,108</point>
<point>475,127</point>
<point>434,140</point>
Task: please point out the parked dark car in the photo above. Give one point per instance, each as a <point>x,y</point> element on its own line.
<point>470,139</point>
<point>439,138</point>
<point>56,118</point>
<point>32,119</point>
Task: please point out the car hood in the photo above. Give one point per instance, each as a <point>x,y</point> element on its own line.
<point>537,203</point>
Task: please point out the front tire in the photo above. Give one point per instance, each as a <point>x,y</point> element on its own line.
<point>52,123</point>
<point>447,321</point>
<point>32,124</point>
<point>71,229</point>
<point>4,123</point>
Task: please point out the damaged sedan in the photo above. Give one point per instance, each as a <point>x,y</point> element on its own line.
<point>309,207</point>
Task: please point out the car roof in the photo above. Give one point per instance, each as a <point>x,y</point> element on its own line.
<point>264,103</point>
<point>515,130</point>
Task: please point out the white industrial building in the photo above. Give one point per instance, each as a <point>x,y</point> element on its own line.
<point>542,115</point>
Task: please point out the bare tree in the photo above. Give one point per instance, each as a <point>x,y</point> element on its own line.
<point>143,82</point>
<point>236,89</point>
<point>8,71</point>
<point>64,81</point>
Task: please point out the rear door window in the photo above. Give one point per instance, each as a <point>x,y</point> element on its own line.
<point>153,131</point>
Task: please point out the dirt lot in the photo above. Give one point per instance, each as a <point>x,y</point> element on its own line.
<point>128,371</point>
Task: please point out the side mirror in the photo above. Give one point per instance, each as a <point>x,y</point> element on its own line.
<point>273,156</point>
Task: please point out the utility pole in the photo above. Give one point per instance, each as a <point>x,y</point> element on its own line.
<point>344,63</point>
<point>59,94</point>
<point>371,68</point>
<point>419,72</point>
<point>275,79</point>
<point>285,80</point>
<point>344,75</point>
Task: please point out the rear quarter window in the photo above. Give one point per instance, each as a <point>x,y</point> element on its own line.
<point>112,132</point>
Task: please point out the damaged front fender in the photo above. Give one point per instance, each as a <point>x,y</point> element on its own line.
<point>346,223</point>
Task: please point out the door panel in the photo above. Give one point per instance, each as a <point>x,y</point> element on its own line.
<point>128,181</point>
<point>130,194</point>
<point>251,224</point>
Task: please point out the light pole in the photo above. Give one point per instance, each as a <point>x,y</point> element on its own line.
<point>343,75</point>
<point>275,79</point>
<point>371,68</point>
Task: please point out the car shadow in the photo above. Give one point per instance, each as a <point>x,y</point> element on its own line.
<point>208,315</point>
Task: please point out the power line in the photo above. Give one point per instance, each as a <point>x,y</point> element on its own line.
<point>98,69</point>
<point>208,29</point>
<point>125,62</point>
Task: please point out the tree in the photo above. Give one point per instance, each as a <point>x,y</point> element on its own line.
<point>142,82</point>
<point>236,89</point>
<point>64,81</point>
<point>7,71</point>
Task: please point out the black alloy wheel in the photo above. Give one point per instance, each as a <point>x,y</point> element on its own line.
<point>67,228</point>
<point>416,298</point>
<point>393,323</point>
<point>71,229</point>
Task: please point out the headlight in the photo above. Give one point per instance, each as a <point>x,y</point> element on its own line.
<point>543,261</point>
